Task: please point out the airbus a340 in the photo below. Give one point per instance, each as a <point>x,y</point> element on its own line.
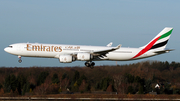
<point>70,53</point>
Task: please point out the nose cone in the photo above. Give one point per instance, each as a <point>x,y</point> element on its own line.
<point>10,50</point>
<point>5,49</point>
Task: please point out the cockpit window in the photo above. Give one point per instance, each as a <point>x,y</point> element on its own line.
<point>10,46</point>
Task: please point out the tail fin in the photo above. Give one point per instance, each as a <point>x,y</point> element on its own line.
<point>160,41</point>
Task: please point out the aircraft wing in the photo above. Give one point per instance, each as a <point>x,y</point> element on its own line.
<point>103,52</point>
<point>110,44</point>
<point>99,52</point>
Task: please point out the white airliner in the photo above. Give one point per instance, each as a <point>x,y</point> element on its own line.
<point>70,53</point>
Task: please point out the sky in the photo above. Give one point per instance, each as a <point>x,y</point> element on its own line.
<point>132,23</point>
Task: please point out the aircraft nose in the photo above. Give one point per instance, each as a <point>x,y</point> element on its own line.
<point>5,49</point>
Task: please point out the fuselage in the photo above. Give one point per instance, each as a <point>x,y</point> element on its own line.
<point>55,50</point>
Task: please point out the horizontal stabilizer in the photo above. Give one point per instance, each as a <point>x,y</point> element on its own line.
<point>163,51</point>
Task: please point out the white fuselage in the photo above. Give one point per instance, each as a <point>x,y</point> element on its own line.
<point>55,50</point>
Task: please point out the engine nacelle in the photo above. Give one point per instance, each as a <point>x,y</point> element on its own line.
<point>66,58</point>
<point>84,56</point>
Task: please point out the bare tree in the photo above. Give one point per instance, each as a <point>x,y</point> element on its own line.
<point>120,83</point>
<point>43,88</point>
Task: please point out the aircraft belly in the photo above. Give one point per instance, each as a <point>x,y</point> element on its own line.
<point>119,56</point>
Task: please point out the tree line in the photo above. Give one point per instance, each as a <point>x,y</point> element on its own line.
<point>137,78</point>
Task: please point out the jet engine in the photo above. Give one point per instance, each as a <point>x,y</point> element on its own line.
<point>84,56</point>
<point>66,58</point>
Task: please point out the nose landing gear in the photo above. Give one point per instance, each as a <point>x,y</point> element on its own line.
<point>19,59</point>
<point>89,64</point>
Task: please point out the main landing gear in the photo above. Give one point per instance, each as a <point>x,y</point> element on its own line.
<point>90,64</point>
<point>19,59</point>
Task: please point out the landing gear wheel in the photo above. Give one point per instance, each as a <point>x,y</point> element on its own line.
<point>20,61</point>
<point>87,64</point>
<point>90,64</point>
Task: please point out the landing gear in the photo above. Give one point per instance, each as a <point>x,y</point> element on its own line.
<point>90,64</point>
<point>19,59</point>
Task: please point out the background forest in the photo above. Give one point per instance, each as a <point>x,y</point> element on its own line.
<point>137,78</point>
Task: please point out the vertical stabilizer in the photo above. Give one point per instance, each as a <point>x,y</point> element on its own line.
<point>160,41</point>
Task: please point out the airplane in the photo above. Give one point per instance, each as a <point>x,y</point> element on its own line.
<point>70,53</point>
